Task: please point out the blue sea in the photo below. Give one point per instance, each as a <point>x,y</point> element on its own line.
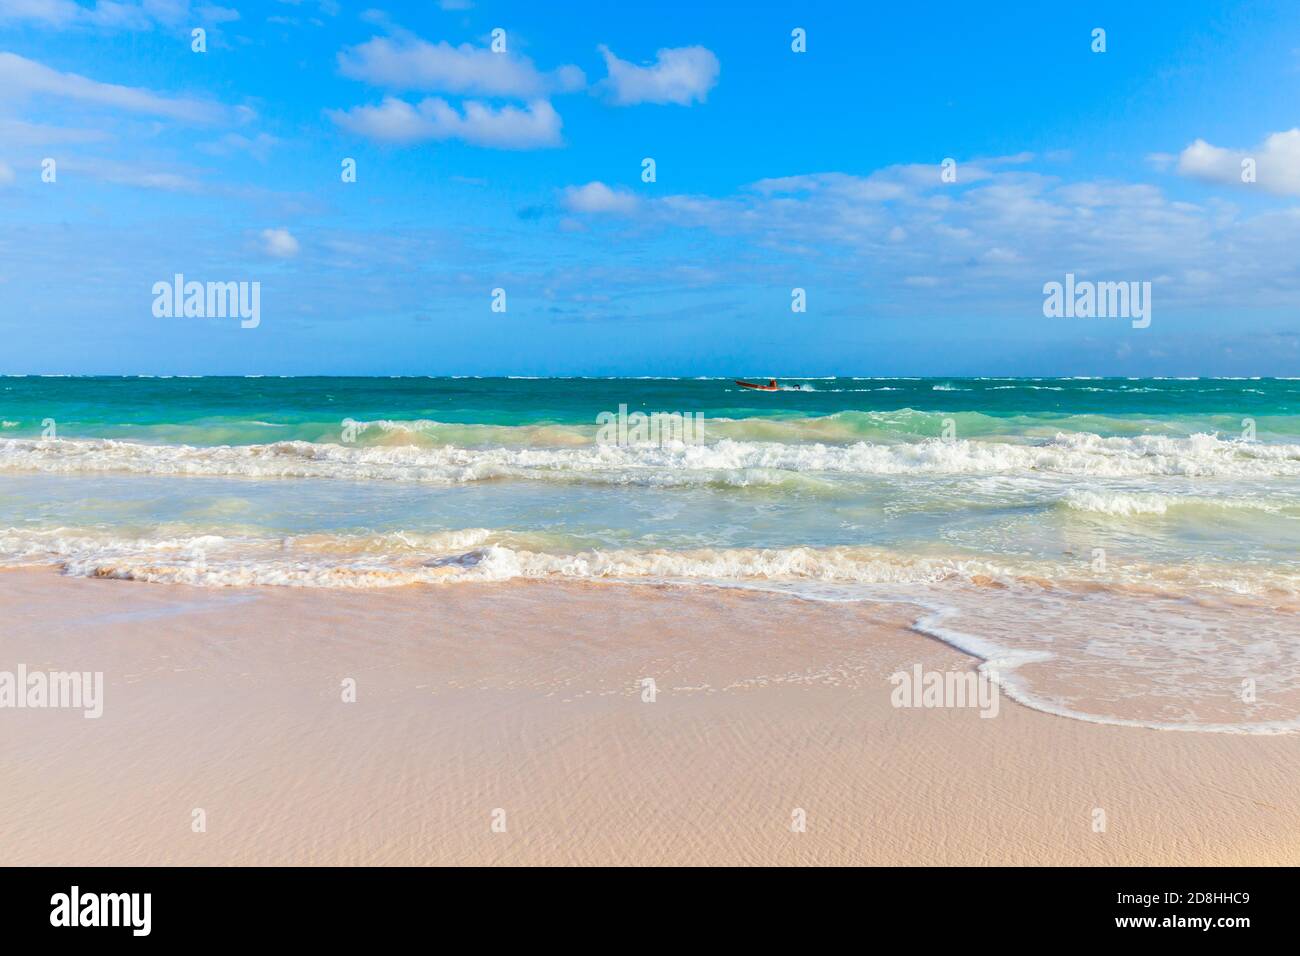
<point>1095,542</point>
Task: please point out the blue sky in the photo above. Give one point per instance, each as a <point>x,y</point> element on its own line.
<point>775,170</point>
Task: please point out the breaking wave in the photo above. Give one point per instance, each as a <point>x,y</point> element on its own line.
<point>726,462</point>
<point>1126,504</point>
<point>394,559</point>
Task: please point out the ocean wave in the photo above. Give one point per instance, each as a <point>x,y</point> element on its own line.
<point>1129,504</point>
<point>396,558</point>
<point>726,463</point>
<point>399,558</point>
<point>846,426</point>
<point>1167,678</point>
<point>497,563</point>
<point>1165,641</point>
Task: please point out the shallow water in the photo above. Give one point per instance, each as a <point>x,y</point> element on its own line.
<point>1104,523</point>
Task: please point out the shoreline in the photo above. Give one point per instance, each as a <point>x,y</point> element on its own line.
<point>527,697</point>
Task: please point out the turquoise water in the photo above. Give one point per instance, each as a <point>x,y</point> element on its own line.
<point>1131,529</point>
<point>251,410</point>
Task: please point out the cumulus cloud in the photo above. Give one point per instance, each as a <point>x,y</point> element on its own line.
<point>412,64</point>
<point>279,243</point>
<point>20,77</point>
<point>1277,163</point>
<point>596,197</point>
<point>683,75</point>
<point>991,241</point>
<point>509,127</point>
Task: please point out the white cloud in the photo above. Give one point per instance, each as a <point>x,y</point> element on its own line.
<point>412,64</point>
<point>279,243</point>
<point>133,173</point>
<point>508,127</point>
<point>22,77</point>
<point>126,174</point>
<point>596,197</point>
<point>893,182</point>
<point>876,187</point>
<point>6,174</point>
<point>112,14</point>
<point>14,132</point>
<point>258,146</point>
<point>54,12</point>
<point>215,14</point>
<point>392,121</point>
<point>991,242</point>
<point>682,75</point>
<point>1277,163</point>
<point>61,14</point>
<point>329,8</point>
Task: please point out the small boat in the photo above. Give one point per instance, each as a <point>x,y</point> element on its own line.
<point>771,385</point>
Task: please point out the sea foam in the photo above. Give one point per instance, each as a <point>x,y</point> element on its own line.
<point>727,462</point>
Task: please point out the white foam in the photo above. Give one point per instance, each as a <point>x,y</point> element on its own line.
<point>728,462</point>
<point>1130,504</point>
<point>1083,627</point>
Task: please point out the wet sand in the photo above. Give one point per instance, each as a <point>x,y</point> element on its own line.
<point>522,703</point>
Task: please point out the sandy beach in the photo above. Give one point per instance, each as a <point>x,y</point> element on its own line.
<point>506,434</point>
<point>528,698</point>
